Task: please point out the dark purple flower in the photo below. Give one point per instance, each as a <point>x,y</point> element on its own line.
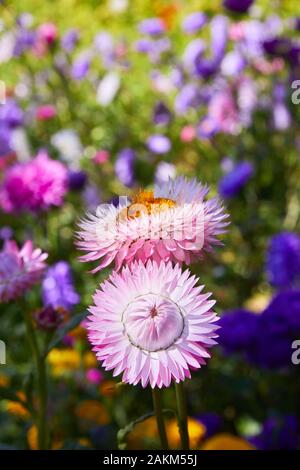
<point>238,6</point>
<point>58,288</point>
<point>212,422</point>
<point>76,180</point>
<point>152,26</point>
<point>278,326</point>
<point>158,143</point>
<point>192,54</point>
<point>50,318</point>
<point>278,46</point>
<point>283,259</point>
<point>124,167</point>
<point>278,433</point>
<point>161,114</point>
<point>194,22</point>
<point>238,330</point>
<point>70,39</point>
<point>231,183</point>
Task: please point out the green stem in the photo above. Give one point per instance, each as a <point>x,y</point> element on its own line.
<point>182,415</point>
<point>156,395</point>
<point>41,384</point>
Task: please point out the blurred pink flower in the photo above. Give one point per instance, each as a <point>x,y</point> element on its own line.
<point>172,223</point>
<point>47,32</point>
<point>102,156</point>
<point>151,323</point>
<point>187,134</point>
<point>94,376</point>
<point>34,185</point>
<point>20,269</point>
<point>45,112</point>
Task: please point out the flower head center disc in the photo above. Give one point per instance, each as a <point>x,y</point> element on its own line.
<point>144,202</point>
<point>153,322</point>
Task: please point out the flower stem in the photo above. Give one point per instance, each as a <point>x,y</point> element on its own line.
<point>41,384</point>
<point>182,415</point>
<point>156,395</point>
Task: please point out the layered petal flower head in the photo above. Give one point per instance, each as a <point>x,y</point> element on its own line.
<point>151,324</point>
<point>174,223</point>
<point>34,185</point>
<point>20,269</point>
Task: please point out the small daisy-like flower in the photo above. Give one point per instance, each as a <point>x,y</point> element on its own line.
<point>172,223</point>
<point>20,269</point>
<point>151,323</point>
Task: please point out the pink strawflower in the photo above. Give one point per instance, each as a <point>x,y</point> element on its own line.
<point>45,112</point>
<point>34,185</point>
<point>152,324</point>
<point>19,269</point>
<point>172,223</point>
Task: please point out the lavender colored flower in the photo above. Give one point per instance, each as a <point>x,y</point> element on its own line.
<point>164,171</point>
<point>283,259</point>
<point>80,67</point>
<point>25,39</point>
<point>238,6</point>
<point>192,54</point>
<point>152,26</point>
<point>238,330</point>
<point>58,288</point>
<point>124,167</point>
<point>188,97</point>
<point>231,183</point>
<point>161,114</point>
<point>158,143</point>
<point>278,433</point>
<point>233,63</point>
<point>70,39</point>
<point>11,114</point>
<point>207,128</point>
<point>194,22</point>
<point>5,134</point>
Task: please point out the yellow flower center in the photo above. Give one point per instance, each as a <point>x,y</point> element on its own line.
<point>144,202</point>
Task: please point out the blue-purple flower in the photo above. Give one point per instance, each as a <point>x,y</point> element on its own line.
<point>158,143</point>
<point>58,288</point>
<point>124,166</point>
<point>232,182</point>
<point>283,260</point>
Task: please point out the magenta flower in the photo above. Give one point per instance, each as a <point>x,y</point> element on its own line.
<point>152,324</point>
<point>19,269</point>
<point>34,185</point>
<point>45,112</point>
<point>172,223</point>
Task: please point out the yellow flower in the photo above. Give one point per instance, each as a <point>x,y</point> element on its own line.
<point>92,410</point>
<point>15,408</point>
<point>32,437</point>
<point>258,302</point>
<point>196,433</point>
<point>4,381</point>
<point>147,430</point>
<point>63,361</point>
<point>226,441</point>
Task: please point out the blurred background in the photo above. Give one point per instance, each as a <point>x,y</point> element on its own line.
<point>123,94</point>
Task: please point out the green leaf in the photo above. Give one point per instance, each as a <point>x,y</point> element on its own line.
<point>61,332</point>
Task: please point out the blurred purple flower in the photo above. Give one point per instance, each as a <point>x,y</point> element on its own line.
<point>237,330</point>
<point>124,167</point>
<point>283,259</point>
<point>212,422</point>
<point>11,115</point>
<point>58,288</point>
<point>161,114</point>
<point>158,143</point>
<point>207,128</point>
<point>5,147</point>
<point>91,197</point>
<point>233,63</point>
<point>25,39</point>
<point>281,116</point>
<point>49,318</point>
<point>76,180</point>
<point>194,22</point>
<point>232,182</point>
<point>70,39</point>
<point>188,97</point>
<point>192,53</point>
<point>152,26</point>
<point>278,433</point>
<point>239,6</point>
<point>81,66</point>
